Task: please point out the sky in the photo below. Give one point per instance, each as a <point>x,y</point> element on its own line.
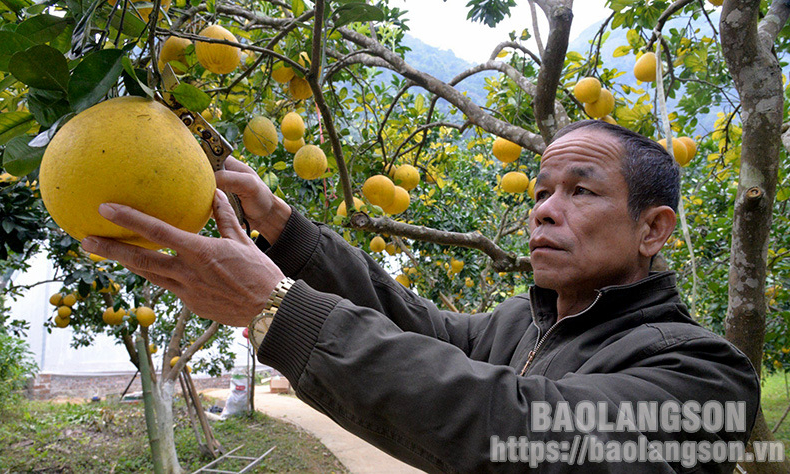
<point>443,24</point>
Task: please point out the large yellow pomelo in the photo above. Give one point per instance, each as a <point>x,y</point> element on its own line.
<point>260,136</point>
<point>310,162</point>
<point>217,58</point>
<point>377,244</point>
<point>679,150</point>
<point>145,8</point>
<point>282,73</point>
<point>407,177</point>
<point>587,90</point>
<point>691,149</point>
<point>358,205</point>
<point>506,151</point>
<point>131,151</point>
<point>292,126</point>
<point>515,182</point>
<point>380,190</point>
<point>400,202</point>
<point>403,280</point>
<point>601,107</point>
<point>292,146</point>
<point>145,316</point>
<point>299,88</point>
<point>645,67</point>
<point>174,49</point>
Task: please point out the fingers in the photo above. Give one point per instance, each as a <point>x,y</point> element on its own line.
<point>150,227</point>
<point>233,164</point>
<point>136,259</point>
<point>227,223</point>
<point>240,183</point>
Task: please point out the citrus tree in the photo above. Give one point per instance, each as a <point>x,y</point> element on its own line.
<point>434,184</point>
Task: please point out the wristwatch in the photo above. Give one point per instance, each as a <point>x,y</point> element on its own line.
<point>260,323</point>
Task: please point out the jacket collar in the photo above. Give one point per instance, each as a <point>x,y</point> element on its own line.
<point>657,287</point>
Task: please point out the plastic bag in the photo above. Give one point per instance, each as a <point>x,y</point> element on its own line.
<point>237,402</point>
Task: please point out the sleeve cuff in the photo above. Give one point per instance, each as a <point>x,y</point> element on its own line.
<point>294,331</point>
<point>295,246</point>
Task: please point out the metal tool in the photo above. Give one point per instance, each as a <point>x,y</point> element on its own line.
<point>215,146</point>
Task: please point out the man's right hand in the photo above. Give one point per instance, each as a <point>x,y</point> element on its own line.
<point>265,212</point>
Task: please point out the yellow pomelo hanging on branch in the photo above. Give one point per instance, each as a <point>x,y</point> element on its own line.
<point>587,90</point>
<point>292,146</point>
<point>174,49</point>
<point>645,67</point>
<point>506,151</point>
<point>299,88</point>
<point>217,58</point>
<point>131,151</point>
<point>400,202</point>
<point>407,177</point>
<point>282,73</point>
<point>358,205</point>
<point>679,150</point>
<point>292,126</point>
<point>379,190</point>
<point>310,162</point>
<point>260,136</point>
<point>515,182</point>
<point>601,107</point>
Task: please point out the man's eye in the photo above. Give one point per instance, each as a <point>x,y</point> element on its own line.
<point>540,195</point>
<point>581,190</point>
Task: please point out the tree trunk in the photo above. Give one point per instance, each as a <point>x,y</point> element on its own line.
<point>758,79</point>
<point>163,402</point>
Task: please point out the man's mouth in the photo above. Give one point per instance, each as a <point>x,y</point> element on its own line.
<point>542,243</point>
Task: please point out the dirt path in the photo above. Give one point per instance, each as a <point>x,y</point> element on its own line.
<point>357,455</point>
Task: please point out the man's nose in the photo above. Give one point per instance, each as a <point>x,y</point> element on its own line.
<point>548,211</point>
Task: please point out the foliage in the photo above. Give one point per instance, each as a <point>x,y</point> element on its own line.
<point>16,368</point>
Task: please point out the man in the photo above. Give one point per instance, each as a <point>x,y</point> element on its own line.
<point>485,392</point>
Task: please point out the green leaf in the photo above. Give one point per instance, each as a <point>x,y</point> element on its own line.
<point>42,67</point>
<point>94,77</point>
<point>621,51</point>
<point>16,5</point>
<point>280,165</point>
<point>19,158</point>
<point>42,28</point>
<point>191,97</point>
<point>7,82</point>
<point>783,194</point>
<point>132,81</point>
<point>13,124</point>
<point>297,7</point>
<point>356,12</point>
<point>47,106</point>
<point>10,44</point>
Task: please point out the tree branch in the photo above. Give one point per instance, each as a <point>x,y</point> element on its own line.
<point>671,10</point>
<point>475,114</point>
<point>774,21</point>
<point>560,20</point>
<point>514,45</point>
<point>502,261</point>
<point>535,27</point>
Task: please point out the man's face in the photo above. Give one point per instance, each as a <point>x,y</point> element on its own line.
<point>582,236</point>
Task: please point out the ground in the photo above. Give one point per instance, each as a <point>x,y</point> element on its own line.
<point>49,437</point>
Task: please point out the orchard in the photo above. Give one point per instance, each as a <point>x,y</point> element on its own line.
<point>439,192</point>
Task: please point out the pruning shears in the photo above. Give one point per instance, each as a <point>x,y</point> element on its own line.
<point>214,145</point>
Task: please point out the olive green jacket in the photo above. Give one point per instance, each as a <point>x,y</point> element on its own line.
<point>432,387</point>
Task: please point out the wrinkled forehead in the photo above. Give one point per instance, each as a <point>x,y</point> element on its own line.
<point>586,144</point>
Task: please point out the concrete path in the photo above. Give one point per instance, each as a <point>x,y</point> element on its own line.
<point>357,455</point>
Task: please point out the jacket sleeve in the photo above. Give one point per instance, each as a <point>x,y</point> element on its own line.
<point>425,402</point>
<point>325,261</point>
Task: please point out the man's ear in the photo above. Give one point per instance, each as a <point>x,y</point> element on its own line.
<point>658,224</point>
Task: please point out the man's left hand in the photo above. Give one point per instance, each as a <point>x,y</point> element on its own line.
<point>227,280</point>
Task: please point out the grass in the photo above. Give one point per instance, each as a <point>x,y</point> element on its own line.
<point>775,399</point>
<point>111,438</point>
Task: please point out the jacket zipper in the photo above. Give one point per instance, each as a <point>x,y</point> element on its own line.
<point>542,339</point>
